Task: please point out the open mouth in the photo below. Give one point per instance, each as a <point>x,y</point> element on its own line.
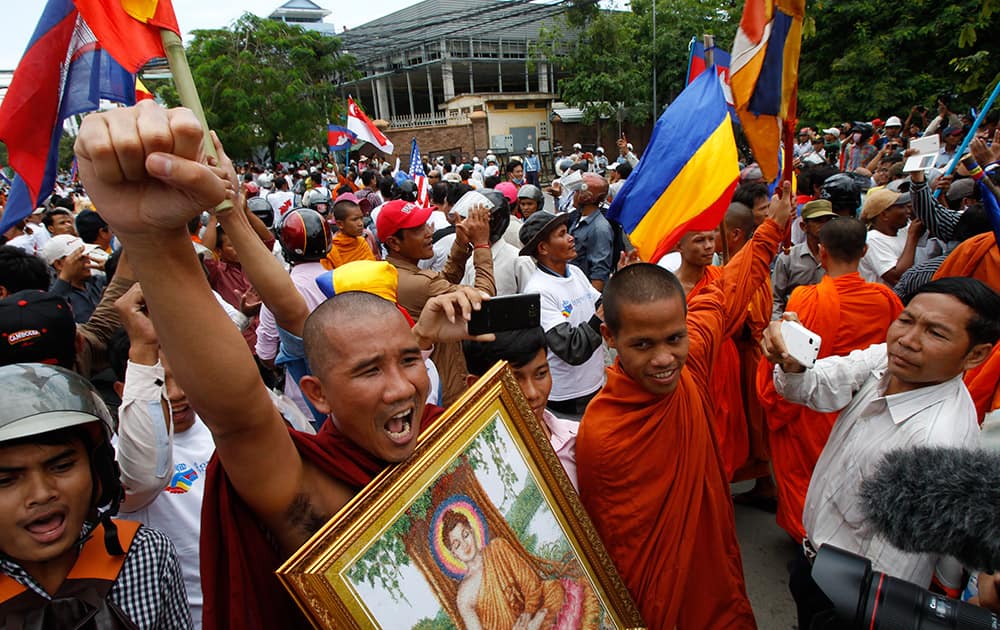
<point>399,427</point>
<point>665,377</point>
<point>48,528</point>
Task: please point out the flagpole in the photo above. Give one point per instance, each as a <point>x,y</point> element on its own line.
<point>960,151</point>
<point>188,93</point>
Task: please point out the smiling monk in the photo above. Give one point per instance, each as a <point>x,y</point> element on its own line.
<point>650,471</point>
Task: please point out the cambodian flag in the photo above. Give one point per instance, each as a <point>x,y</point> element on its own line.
<point>64,71</point>
<point>721,59</point>
<point>338,137</point>
<point>687,174</point>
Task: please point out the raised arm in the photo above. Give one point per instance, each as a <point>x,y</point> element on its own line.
<point>268,277</point>
<point>143,167</point>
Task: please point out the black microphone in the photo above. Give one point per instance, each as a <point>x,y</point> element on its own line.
<point>938,500</point>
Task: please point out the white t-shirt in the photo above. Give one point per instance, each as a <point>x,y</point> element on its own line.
<point>883,252</point>
<point>177,510</point>
<point>510,271</point>
<point>281,202</point>
<point>568,300</point>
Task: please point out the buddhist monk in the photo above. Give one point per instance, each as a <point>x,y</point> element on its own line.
<point>739,225</point>
<point>695,274</point>
<point>650,472</point>
<point>848,314</point>
<point>349,242</point>
<point>273,487</point>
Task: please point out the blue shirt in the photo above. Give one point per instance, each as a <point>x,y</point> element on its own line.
<point>531,164</point>
<point>82,301</point>
<point>594,238</point>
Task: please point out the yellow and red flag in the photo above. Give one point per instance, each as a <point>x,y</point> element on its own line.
<point>129,29</point>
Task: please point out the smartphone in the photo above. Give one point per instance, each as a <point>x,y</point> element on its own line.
<point>802,344</point>
<point>507,312</point>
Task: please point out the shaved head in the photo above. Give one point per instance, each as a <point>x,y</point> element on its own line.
<point>640,283</point>
<point>740,216</point>
<point>844,239</point>
<point>329,316</point>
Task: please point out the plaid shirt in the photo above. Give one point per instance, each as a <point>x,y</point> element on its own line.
<point>149,589</point>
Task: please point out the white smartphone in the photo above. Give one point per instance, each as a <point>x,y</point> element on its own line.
<point>802,344</point>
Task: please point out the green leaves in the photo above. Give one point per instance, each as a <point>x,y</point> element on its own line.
<point>267,85</point>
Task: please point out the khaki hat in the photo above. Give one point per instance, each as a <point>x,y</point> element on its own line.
<point>817,208</point>
<point>877,202</point>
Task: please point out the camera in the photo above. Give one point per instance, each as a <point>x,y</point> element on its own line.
<point>864,598</point>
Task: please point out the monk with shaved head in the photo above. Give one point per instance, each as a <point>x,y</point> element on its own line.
<point>271,487</point>
<point>650,470</point>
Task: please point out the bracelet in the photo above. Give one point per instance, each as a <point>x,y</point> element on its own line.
<point>486,246</point>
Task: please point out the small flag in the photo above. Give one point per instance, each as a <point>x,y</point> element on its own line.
<point>721,59</point>
<point>142,93</point>
<point>764,75</point>
<point>130,29</point>
<point>687,175</point>
<point>417,173</point>
<point>339,138</point>
<point>365,129</point>
<point>64,71</point>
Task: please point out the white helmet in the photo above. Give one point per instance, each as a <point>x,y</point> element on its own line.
<point>599,150</point>
<point>529,149</point>
<point>577,146</point>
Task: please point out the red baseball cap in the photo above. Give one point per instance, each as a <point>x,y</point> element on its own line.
<point>399,215</point>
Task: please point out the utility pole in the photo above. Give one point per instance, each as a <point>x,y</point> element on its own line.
<point>655,109</point>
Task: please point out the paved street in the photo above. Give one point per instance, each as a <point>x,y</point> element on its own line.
<point>766,551</point>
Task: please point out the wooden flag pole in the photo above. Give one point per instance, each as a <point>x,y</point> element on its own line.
<point>188,92</point>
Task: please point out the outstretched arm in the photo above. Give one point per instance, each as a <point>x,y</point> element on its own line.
<point>144,168</point>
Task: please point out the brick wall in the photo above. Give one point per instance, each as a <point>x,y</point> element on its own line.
<point>469,139</point>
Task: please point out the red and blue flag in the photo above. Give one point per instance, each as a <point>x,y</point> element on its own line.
<point>417,173</point>
<point>721,60</point>
<point>339,138</point>
<point>65,71</point>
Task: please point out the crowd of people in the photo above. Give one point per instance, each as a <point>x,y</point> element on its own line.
<point>171,322</point>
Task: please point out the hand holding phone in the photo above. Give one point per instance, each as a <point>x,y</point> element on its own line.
<point>507,312</point>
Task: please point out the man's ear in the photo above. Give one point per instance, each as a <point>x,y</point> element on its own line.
<point>119,388</point>
<point>609,337</point>
<point>313,390</point>
<point>3,292</point>
<point>392,244</point>
<point>977,355</point>
<point>470,379</point>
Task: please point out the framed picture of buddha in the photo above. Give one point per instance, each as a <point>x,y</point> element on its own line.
<point>480,528</point>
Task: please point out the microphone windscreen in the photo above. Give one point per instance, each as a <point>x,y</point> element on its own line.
<point>938,500</point>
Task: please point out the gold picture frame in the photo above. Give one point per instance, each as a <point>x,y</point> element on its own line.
<point>481,520</point>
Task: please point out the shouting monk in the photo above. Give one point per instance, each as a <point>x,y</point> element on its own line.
<point>649,466</point>
<point>143,167</point>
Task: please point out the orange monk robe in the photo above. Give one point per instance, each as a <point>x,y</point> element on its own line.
<point>848,314</point>
<point>728,421</point>
<point>347,249</point>
<point>979,258</point>
<point>757,463</point>
<point>651,476</point>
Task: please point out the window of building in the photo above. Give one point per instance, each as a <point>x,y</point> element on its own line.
<point>521,105</point>
<point>499,105</point>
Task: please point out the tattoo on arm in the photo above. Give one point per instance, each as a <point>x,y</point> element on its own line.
<point>302,515</point>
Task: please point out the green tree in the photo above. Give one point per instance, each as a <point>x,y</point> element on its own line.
<point>862,58</point>
<point>265,83</point>
<point>609,55</point>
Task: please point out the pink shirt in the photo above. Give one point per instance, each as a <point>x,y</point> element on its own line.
<point>563,442</point>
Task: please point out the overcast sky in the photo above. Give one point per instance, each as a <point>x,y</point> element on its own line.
<point>19,17</point>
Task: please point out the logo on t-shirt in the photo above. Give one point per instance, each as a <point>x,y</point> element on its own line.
<point>182,480</point>
<point>567,308</point>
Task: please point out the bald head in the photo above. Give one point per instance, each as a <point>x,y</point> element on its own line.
<point>740,225</point>
<point>844,239</point>
<point>640,283</point>
<point>318,333</point>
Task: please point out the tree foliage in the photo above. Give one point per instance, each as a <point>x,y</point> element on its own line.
<point>608,55</point>
<point>863,58</point>
<point>265,83</point>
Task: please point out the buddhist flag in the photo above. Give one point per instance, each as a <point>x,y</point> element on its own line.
<point>129,29</point>
<point>365,129</point>
<point>764,74</point>
<point>687,175</point>
<point>64,72</point>
<point>142,93</point>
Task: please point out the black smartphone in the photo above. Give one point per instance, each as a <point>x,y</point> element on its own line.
<point>507,312</point>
